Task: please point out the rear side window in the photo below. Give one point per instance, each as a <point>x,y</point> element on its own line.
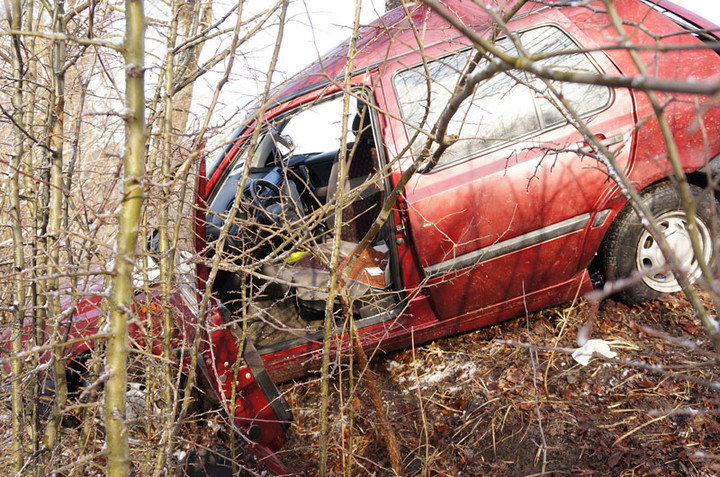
<point>502,109</point>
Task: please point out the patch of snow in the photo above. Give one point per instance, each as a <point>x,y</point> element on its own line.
<point>444,372</point>
<point>391,364</point>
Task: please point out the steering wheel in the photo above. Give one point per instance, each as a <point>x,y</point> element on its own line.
<point>265,198</point>
<point>259,185</point>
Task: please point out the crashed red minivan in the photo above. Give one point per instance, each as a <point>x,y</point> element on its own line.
<point>511,214</point>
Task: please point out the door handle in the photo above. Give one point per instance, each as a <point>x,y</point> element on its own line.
<point>605,141</point>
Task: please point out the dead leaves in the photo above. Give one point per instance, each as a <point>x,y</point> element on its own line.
<point>466,405</point>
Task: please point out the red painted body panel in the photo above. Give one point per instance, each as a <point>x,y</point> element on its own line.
<point>222,366</point>
<point>88,313</point>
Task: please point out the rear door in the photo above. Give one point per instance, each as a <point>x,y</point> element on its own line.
<point>506,210</point>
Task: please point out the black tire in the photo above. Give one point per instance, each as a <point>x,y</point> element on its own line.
<point>628,247</point>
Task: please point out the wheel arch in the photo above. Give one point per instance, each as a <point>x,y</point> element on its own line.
<point>702,177</point>
<point>706,175</point>
<point>76,368</point>
<point>611,259</point>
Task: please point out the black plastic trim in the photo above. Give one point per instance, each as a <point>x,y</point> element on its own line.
<point>508,246</point>
<point>712,167</point>
<point>277,401</point>
<point>600,217</point>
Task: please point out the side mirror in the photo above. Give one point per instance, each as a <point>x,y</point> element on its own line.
<point>288,146</point>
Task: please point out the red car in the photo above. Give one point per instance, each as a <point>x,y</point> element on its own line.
<point>512,216</point>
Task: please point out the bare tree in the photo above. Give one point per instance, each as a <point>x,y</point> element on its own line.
<point>129,219</point>
<point>18,294</point>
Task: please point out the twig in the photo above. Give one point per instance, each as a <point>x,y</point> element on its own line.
<point>420,397</point>
<point>633,431</point>
<point>388,433</point>
<point>535,385</point>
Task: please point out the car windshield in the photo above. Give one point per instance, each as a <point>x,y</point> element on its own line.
<point>310,129</point>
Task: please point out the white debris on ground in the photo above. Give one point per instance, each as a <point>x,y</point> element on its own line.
<point>448,372</point>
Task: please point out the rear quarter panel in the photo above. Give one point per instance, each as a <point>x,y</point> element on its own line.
<point>668,52</point>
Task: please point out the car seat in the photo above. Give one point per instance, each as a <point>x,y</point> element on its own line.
<point>362,187</point>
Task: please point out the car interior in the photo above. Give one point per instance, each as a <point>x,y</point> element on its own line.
<point>276,256</point>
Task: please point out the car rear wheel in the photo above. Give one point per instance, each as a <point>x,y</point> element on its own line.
<point>630,248</point>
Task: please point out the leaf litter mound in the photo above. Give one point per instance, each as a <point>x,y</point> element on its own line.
<point>477,404</point>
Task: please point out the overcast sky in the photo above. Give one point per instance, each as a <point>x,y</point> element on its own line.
<point>314,27</point>
<point>709,9</point>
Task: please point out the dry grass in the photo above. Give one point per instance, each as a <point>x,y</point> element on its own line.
<point>466,405</point>
<point>469,405</point>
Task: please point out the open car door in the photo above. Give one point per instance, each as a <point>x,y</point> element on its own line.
<point>238,378</point>
<point>260,414</point>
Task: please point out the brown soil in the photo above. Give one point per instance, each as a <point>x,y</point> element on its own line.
<point>474,404</point>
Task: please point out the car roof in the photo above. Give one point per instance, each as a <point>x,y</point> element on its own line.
<point>396,33</point>
<point>387,37</point>
<point>687,15</point>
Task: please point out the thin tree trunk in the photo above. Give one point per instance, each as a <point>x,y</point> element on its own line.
<point>18,256</point>
<point>129,219</point>
<point>30,191</point>
<point>193,16</point>
<point>87,413</point>
<point>333,282</point>
<point>370,382</point>
<point>39,258</point>
<point>55,211</point>
<point>166,253</point>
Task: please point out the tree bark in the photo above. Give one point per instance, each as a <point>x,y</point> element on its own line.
<point>335,283</point>
<point>55,210</point>
<point>18,255</point>
<point>121,288</point>
<point>167,254</point>
<point>192,17</point>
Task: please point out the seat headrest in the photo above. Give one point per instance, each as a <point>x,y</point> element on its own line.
<point>361,125</point>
